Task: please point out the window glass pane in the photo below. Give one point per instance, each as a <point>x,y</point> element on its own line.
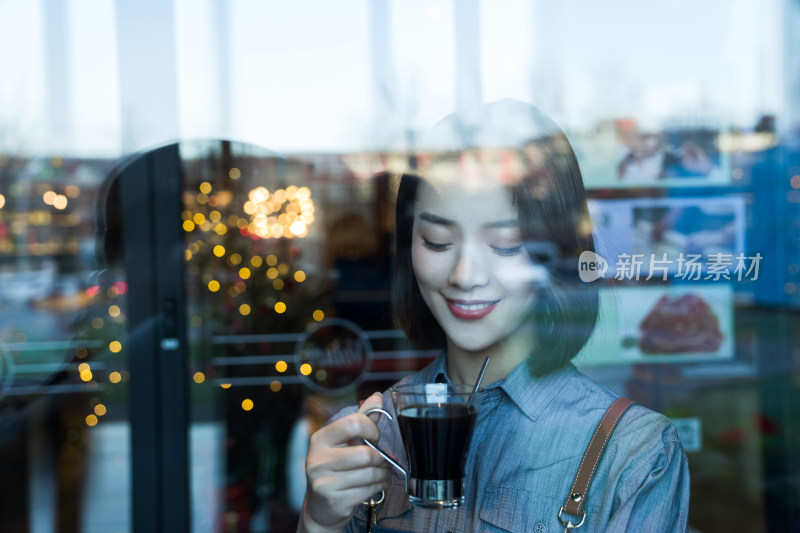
<point>302,69</point>
<point>289,270</point>
<point>683,117</point>
<point>425,63</point>
<point>63,358</point>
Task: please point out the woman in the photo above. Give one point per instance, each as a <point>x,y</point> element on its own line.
<point>487,247</point>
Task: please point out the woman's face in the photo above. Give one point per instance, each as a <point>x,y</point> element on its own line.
<point>471,267</point>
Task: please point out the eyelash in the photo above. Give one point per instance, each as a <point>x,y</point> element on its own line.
<point>504,252</point>
<point>436,247</point>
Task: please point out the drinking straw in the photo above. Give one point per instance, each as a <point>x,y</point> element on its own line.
<point>478,383</point>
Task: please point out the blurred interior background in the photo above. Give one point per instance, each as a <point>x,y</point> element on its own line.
<point>196,235</point>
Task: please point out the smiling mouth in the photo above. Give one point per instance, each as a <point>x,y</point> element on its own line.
<point>470,309</point>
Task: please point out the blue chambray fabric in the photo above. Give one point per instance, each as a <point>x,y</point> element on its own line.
<point>528,442</point>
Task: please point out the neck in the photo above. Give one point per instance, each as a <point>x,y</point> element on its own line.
<point>463,366</point>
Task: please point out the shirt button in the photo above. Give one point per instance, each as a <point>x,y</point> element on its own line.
<point>538,528</point>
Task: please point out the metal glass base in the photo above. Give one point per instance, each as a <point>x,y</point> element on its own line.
<point>436,493</point>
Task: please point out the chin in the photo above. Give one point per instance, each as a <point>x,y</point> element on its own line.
<point>475,345</point>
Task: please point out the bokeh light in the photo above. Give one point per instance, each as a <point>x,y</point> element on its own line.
<point>60,201</point>
<point>282,213</point>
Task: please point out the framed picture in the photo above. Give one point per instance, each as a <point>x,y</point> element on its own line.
<point>622,153</point>
<point>664,237</point>
<point>665,324</point>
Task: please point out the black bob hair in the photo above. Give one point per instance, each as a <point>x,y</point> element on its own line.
<point>554,222</point>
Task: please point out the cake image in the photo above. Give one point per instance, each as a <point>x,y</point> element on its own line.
<point>683,325</point>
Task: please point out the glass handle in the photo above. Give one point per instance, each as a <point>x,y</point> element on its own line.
<point>389,459</point>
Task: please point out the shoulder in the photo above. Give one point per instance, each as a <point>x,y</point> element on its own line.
<point>643,439</point>
<point>644,445</point>
<point>637,422</point>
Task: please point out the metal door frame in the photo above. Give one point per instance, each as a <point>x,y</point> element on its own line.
<point>151,186</point>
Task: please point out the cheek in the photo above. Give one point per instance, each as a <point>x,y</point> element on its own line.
<point>518,275</point>
<point>426,265</point>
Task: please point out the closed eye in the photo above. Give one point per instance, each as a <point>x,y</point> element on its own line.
<point>514,250</point>
<point>435,246</point>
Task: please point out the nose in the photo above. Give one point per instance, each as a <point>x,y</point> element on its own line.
<point>468,272</point>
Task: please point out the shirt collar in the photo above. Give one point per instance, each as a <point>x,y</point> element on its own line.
<point>530,394</point>
<point>435,372</point>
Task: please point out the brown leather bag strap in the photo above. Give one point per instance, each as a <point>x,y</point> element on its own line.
<point>591,458</point>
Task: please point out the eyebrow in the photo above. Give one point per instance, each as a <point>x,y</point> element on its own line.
<point>435,219</point>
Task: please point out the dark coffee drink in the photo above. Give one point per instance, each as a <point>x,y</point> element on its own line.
<point>436,437</point>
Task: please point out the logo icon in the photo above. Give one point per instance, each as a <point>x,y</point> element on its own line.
<point>335,354</point>
<point>591,267</point>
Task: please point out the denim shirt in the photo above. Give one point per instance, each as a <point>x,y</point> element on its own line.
<point>529,438</point>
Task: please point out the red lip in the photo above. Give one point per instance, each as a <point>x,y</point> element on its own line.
<point>457,307</point>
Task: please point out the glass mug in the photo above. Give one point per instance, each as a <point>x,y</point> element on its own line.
<point>436,423</point>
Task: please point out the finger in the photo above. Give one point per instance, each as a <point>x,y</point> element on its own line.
<point>362,494</point>
<point>350,480</point>
<point>347,500</point>
<point>355,426</point>
<point>374,401</point>
<point>350,458</point>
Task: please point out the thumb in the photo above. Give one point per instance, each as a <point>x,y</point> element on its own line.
<point>376,400</point>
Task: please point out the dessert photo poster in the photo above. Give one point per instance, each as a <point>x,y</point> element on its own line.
<point>665,324</point>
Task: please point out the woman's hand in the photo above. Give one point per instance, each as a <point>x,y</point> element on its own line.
<point>341,474</point>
